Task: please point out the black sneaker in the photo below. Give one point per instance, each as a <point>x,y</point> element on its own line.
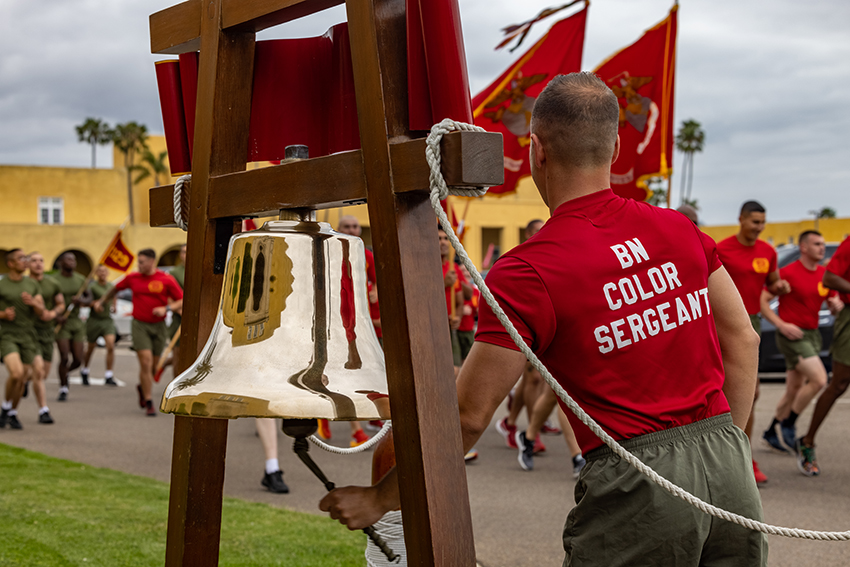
<point>45,418</point>
<point>63,396</point>
<point>14,423</point>
<point>150,411</point>
<point>274,482</point>
<point>526,451</point>
<point>4,417</point>
<point>110,381</point>
<point>789,437</point>
<point>772,439</point>
<point>85,377</point>
<point>578,464</point>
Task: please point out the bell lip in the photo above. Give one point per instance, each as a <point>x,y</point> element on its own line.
<point>200,405</point>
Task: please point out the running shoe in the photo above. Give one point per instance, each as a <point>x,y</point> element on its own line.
<point>806,460</point>
<point>141,396</point>
<point>85,377</point>
<point>508,431</point>
<point>525,455</point>
<point>760,477</point>
<point>14,423</point>
<point>772,439</point>
<point>63,396</point>
<point>578,464</point>
<point>110,381</point>
<point>549,429</point>
<point>358,438</point>
<point>789,437</point>
<point>539,447</point>
<point>150,411</point>
<point>274,482</point>
<point>374,425</point>
<point>470,455</point>
<point>4,417</point>
<point>45,418</point>
<point>324,430</point>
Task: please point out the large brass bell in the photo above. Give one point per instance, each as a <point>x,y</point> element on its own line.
<point>293,337</point>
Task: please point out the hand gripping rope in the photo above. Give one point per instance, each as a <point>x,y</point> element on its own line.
<point>439,191</point>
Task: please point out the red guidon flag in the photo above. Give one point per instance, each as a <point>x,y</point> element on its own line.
<point>117,256</point>
<point>641,75</point>
<point>505,106</point>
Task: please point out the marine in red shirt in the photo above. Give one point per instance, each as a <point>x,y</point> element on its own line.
<point>751,264</point>
<point>154,294</point>
<point>630,308</point>
<point>836,277</point>
<point>800,341</point>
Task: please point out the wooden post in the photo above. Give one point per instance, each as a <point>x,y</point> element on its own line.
<point>391,173</point>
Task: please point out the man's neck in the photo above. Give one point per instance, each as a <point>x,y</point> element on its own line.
<point>744,240</point>
<point>563,185</point>
<point>809,263</point>
<point>68,273</point>
<point>15,276</point>
<point>37,277</point>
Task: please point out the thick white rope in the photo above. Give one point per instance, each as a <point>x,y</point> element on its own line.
<point>391,530</point>
<point>353,450</point>
<point>178,201</point>
<point>439,192</point>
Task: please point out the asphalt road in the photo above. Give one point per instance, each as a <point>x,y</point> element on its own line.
<point>517,515</point>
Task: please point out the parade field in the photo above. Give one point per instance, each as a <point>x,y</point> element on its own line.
<point>57,513</point>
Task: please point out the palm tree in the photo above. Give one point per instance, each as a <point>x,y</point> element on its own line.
<point>151,165</point>
<point>689,141</point>
<point>96,132</point>
<point>130,138</point>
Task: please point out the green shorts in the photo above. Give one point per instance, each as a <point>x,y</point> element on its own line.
<point>622,518</point>
<point>840,347</point>
<point>148,336</point>
<point>755,320</point>
<point>45,338</point>
<point>99,328</point>
<point>176,321</point>
<point>73,329</point>
<point>795,351</point>
<point>21,342</point>
<point>465,340</point>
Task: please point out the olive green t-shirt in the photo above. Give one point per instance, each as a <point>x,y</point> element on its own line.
<point>49,289</point>
<point>99,291</point>
<point>10,296</point>
<point>69,287</point>
<point>179,273</point>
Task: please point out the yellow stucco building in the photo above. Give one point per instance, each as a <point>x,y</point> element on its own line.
<point>59,209</point>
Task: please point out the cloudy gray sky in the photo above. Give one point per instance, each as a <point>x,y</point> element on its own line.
<point>768,79</point>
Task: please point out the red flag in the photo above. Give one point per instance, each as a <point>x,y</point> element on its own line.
<point>505,106</point>
<point>641,75</point>
<point>117,256</point>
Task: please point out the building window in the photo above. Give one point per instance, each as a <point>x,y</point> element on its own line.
<point>51,210</point>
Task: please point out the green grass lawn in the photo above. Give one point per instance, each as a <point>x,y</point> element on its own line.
<point>56,513</point>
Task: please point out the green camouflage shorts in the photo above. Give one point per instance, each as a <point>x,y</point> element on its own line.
<point>99,328</point>
<point>73,329</point>
<point>23,343</point>
<point>148,336</point>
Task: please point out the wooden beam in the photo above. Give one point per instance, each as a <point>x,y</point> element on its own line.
<point>423,398</point>
<point>177,29</point>
<point>468,159</point>
<point>221,139</point>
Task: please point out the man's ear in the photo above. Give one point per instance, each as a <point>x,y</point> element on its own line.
<point>616,149</point>
<point>538,153</point>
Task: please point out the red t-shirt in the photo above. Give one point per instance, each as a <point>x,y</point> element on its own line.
<point>371,280</point>
<point>149,292</point>
<point>839,265</point>
<point>802,304</point>
<point>451,291</point>
<point>467,322</point>
<point>612,295</point>
<point>749,267</point>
